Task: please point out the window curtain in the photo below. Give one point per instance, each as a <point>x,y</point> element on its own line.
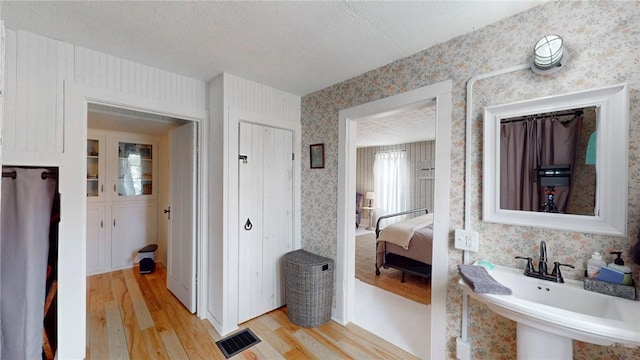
<point>391,183</point>
<point>526,145</point>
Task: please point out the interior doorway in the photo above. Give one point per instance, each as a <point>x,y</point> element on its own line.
<point>346,292</point>
<point>393,147</point>
<point>73,172</point>
<point>156,206</point>
<point>395,173</point>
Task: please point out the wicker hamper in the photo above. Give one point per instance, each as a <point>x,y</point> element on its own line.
<point>308,288</point>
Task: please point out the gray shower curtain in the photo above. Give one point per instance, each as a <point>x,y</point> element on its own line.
<point>525,145</point>
<point>24,244</point>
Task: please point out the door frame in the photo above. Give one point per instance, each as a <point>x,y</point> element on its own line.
<point>72,252</point>
<point>345,264</point>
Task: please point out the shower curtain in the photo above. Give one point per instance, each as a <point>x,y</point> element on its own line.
<point>24,245</point>
<point>525,146</point>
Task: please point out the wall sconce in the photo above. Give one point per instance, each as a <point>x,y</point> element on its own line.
<point>549,55</point>
<point>370,196</point>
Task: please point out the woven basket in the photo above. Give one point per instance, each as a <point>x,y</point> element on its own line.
<point>308,288</point>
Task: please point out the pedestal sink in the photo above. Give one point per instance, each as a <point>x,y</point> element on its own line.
<point>550,315</point>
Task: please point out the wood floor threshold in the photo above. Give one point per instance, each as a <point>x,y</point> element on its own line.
<point>134,316</point>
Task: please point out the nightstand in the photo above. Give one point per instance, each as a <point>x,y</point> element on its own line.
<point>372,217</point>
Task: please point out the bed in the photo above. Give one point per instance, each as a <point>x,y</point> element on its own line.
<point>405,245</point>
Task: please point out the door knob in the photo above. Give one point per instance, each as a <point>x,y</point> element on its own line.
<point>168,212</point>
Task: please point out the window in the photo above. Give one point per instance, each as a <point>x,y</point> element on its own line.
<point>391,182</point>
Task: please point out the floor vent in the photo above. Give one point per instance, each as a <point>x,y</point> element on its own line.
<point>237,342</point>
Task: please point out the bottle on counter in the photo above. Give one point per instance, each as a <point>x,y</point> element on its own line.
<point>594,264</point>
<point>618,264</point>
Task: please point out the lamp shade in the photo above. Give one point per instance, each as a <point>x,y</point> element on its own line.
<point>371,195</point>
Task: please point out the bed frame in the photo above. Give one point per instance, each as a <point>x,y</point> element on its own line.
<point>399,262</point>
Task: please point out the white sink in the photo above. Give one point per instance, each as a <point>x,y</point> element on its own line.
<point>549,314</point>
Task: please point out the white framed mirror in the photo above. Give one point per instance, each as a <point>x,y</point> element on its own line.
<point>559,162</point>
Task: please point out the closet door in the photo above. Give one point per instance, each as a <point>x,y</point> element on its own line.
<point>266,217</point>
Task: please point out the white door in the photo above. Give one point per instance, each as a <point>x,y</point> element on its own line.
<point>96,239</point>
<point>134,225</point>
<point>266,217</point>
<point>181,257</point>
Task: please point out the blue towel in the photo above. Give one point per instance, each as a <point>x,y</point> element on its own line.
<point>480,281</point>
<point>590,157</point>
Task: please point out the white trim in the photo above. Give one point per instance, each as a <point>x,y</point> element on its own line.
<point>72,250</point>
<point>345,262</point>
<point>612,164</point>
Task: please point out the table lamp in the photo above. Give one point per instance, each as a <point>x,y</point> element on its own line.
<point>370,196</point>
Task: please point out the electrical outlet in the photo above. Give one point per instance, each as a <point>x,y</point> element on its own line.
<point>466,240</point>
<point>463,349</point>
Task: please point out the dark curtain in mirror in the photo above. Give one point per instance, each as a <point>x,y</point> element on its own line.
<point>526,145</point>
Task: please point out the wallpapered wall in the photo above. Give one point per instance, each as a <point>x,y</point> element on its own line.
<point>603,40</point>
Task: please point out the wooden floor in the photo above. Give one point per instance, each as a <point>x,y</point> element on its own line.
<point>133,316</point>
<point>415,288</point>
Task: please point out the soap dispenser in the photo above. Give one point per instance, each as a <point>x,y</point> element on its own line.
<point>618,264</point>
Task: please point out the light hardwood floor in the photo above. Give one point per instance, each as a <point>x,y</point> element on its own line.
<point>415,288</point>
<point>133,316</point>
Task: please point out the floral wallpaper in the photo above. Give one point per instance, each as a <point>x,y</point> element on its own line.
<point>603,39</point>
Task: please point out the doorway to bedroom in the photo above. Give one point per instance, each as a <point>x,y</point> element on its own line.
<point>417,328</point>
<point>395,174</point>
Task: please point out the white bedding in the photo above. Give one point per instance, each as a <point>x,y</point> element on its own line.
<point>400,233</point>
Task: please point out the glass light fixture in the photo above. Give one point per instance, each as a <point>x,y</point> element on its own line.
<point>549,55</point>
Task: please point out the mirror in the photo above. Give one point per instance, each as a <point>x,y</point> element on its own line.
<point>547,162</point>
<point>559,162</point>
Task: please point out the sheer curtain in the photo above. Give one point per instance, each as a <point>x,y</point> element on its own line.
<point>391,183</point>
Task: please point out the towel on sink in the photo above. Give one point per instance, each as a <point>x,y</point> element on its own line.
<point>480,281</point>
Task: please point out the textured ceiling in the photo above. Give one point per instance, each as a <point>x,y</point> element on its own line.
<point>298,47</point>
<point>401,126</point>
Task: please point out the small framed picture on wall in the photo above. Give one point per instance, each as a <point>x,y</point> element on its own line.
<point>317,156</point>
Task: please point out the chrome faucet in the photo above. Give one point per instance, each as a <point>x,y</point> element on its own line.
<point>556,274</point>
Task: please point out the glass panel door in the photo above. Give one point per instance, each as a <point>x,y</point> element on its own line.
<point>135,169</point>
<point>93,168</point>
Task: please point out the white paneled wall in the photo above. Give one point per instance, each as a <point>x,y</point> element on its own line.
<point>47,85</point>
<point>109,72</point>
<point>37,68</point>
<point>260,99</point>
<point>420,187</point>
